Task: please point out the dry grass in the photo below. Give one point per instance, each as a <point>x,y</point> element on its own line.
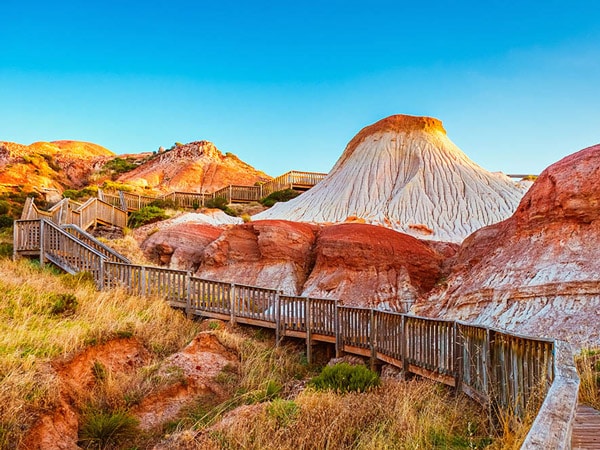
<point>399,415</point>
<point>32,333</point>
<point>588,366</point>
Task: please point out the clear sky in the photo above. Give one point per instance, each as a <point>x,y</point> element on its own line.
<point>285,85</point>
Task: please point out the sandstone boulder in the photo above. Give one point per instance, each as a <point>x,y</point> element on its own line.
<point>180,246</point>
<point>367,265</point>
<point>270,254</point>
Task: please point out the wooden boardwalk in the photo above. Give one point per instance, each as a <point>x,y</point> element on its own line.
<point>586,429</point>
<point>501,370</point>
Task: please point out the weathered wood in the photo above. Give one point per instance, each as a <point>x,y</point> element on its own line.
<point>586,428</point>
<point>504,371</point>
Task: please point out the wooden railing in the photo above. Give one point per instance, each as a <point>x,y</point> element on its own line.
<point>67,212</point>
<point>504,371</point>
<point>94,243</point>
<point>232,193</point>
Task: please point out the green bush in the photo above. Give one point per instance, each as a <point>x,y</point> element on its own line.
<point>119,165</point>
<point>146,215</point>
<point>279,196</point>
<point>343,378</point>
<point>283,411</point>
<point>105,430</point>
<point>6,221</point>
<point>164,204</point>
<point>220,203</point>
<point>4,207</point>
<point>63,304</point>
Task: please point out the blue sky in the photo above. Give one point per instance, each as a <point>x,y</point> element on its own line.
<point>286,85</point>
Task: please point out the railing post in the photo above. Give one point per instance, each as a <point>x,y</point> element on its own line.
<point>405,338</point>
<point>188,295</point>
<point>308,319</point>
<point>373,338</point>
<point>277,318</point>
<point>458,357</point>
<point>336,320</point>
<point>42,243</point>
<point>101,275</point>
<point>232,304</point>
<point>143,285</point>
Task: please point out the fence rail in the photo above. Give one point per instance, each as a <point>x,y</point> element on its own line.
<point>232,193</point>
<point>502,370</point>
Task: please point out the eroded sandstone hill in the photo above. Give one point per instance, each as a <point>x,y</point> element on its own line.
<point>404,173</point>
<point>359,264</point>
<point>53,165</point>
<point>537,272</point>
<point>194,167</point>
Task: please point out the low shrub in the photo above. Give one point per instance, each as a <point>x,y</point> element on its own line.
<point>146,215</point>
<point>63,304</point>
<point>344,378</point>
<point>6,221</point>
<point>220,203</point>
<point>119,165</point>
<point>105,430</point>
<point>283,411</point>
<point>279,196</point>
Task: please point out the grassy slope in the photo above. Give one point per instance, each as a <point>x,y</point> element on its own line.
<point>38,324</point>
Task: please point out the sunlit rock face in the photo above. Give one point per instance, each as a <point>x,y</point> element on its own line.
<point>271,253</point>
<point>367,265</point>
<point>194,167</point>
<point>404,173</point>
<point>538,272</point>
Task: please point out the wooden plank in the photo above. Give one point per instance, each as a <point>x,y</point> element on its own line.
<point>586,429</point>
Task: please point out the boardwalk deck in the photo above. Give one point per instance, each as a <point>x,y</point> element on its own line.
<point>502,370</point>
<point>586,429</point>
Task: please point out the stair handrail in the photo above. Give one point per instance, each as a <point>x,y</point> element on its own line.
<point>108,252</point>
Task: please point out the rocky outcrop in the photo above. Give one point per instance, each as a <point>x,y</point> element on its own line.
<point>180,247</point>
<point>404,173</point>
<point>272,254</point>
<point>536,272</point>
<point>50,165</point>
<point>194,167</point>
<point>366,265</point>
<point>359,264</point>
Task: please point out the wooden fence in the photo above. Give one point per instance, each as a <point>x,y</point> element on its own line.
<point>232,193</point>
<point>68,212</point>
<point>504,371</point>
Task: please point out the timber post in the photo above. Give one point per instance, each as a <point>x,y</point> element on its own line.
<point>232,304</point>
<point>42,243</point>
<point>458,357</point>
<point>372,338</point>
<point>308,320</point>
<point>277,318</point>
<point>188,296</point>
<point>336,322</point>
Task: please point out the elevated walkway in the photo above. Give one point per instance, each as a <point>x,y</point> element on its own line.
<point>300,181</point>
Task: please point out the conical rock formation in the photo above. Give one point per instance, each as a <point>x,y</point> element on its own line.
<point>404,173</point>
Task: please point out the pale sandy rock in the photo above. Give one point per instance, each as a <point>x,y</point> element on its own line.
<point>209,217</point>
<point>404,173</point>
<point>536,273</point>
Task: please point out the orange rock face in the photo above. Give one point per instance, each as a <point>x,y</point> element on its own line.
<point>56,165</point>
<point>359,264</point>
<point>194,167</point>
<point>180,247</point>
<point>268,253</point>
<point>537,272</point>
<point>367,265</point>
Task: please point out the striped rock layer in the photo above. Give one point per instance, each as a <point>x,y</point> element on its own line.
<point>404,173</point>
